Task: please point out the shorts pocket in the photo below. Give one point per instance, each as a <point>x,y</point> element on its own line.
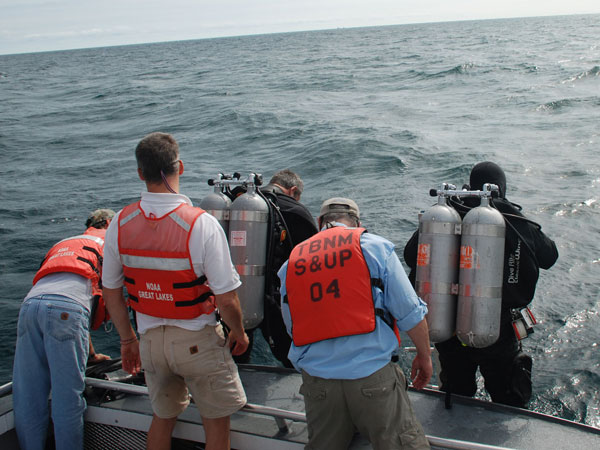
<point>65,323</point>
<point>146,355</point>
<point>313,392</point>
<point>383,389</point>
<point>402,380</point>
<point>195,357</point>
<point>410,438</point>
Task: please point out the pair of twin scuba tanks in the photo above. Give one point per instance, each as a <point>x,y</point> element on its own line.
<point>254,226</point>
<point>459,269</point>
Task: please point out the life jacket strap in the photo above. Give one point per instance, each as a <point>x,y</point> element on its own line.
<point>189,284</point>
<point>385,317</point>
<point>95,252</point>
<point>195,301</point>
<point>94,268</point>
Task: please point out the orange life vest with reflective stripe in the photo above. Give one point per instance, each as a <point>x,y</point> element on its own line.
<point>81,255</point>
<point>157,264</point>
<point>328,287</point>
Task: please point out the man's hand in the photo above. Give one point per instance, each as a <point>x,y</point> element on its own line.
<point>97,357</point>
<point>238,343</point>
<point>421,371</point>
<point>422,368</point>
<point>130,357</point>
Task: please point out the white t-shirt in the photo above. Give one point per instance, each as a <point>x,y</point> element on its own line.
<point>208,248</point>
<point>67,284</point>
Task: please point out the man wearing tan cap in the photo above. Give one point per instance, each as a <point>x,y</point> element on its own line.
<point>345,296</point>
<point>53,342</point>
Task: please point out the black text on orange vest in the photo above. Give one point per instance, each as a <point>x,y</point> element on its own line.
<point>312,263</point>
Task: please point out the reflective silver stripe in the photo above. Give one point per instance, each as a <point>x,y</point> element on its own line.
<point>436,288</point>
<point>249,216</point>
<point>249,270</point>
<point>483,229</point>
<point>179,221</point>
<point>219,214</point>
<point>480,291</point>
<point>96,239</point>
<point>439,228</point>
<point>147,262</point>
<point>130,216</point>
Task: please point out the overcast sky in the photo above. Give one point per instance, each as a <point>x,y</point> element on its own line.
<point>42,25</point>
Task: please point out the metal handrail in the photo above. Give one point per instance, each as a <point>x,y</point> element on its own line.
<point>281,414</point>
<point>5,389</point>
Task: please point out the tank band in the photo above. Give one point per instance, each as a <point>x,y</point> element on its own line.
<point>439,228</point>
<point>249,216</point>
<point>480,229</point>
<point>219,214</point>
<point>468,290</point>
<point>251,270</point>
<point>425,287</point>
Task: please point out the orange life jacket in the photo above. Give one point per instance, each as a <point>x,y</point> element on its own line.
<point>157,264</point>
<point>329,287</point>
<point>81,255</point>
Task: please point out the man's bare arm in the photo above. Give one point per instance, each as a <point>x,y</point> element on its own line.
<point>231,313</point>
<point>117,308</point>
<point>422,368</point>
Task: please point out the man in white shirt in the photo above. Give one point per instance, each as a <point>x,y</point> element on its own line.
<point>175,263</point>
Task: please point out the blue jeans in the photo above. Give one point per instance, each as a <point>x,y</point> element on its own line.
<point>51,354</point>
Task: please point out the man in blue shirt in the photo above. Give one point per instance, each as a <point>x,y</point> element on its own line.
<point>345,296</point>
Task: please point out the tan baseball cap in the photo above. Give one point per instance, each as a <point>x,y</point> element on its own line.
<point>340,205</point>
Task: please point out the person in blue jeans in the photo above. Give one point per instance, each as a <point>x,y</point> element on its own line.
<point>53,341</point>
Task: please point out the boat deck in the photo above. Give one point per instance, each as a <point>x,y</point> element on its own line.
<point>119,415</point>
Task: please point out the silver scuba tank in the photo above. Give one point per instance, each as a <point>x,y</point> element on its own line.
<point>437,265</point>
<point>248,234</point>
<point>480,274</point>
<point>217,203</point>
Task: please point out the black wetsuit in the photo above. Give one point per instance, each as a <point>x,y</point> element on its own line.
<point>300,225</point>
<point>505,368</point>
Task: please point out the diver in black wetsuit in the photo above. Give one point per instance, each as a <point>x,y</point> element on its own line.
<point>505,368</point>
<point>284,190</point>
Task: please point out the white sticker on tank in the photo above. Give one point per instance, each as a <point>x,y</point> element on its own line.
<point>237,239</point>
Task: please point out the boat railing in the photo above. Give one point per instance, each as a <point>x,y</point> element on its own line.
<point>281,415</point>
<point>5,389</point>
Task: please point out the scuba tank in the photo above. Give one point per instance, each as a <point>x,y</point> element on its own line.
<point>217,203</point>
<point>248,235</point>
<point>480,273</point>
<point>436,279</point>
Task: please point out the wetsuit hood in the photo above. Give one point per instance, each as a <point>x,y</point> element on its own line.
<point>488,172</point>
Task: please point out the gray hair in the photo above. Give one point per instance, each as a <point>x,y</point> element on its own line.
<point>340,217</point>
<point>288,179</point>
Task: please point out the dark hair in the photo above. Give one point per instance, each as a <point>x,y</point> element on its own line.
<point>157,152</point>
<point>288,179</point>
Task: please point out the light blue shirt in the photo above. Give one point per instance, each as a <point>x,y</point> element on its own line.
<point>358,356</point>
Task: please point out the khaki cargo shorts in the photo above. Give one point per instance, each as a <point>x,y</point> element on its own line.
<point>175,360</point>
